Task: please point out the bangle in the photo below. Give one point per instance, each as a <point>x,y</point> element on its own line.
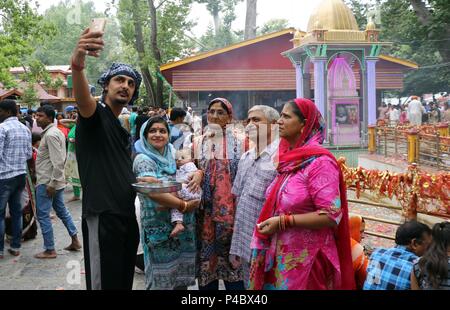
<point>185,206</point>
<point>279,222</point>
<point>76,67</point>
<point>182,206</point>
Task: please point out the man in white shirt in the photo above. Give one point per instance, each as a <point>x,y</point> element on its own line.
<point>415,110</point>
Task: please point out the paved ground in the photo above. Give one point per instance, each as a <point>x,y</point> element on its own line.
<point>65,272</point>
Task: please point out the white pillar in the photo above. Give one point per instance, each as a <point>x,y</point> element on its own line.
<point>320,84</point>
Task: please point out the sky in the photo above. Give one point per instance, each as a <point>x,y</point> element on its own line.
<point>297,12</point>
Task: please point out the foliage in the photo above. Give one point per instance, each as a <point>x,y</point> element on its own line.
<point>70,21</point>
<point>21,29</point>
<point>427,45</point>
<point>221,34</point>
<point>274,25</point>
<point>411,40</point>
<point>172,23</point>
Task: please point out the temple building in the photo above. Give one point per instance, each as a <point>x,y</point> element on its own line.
<point>334,63</point>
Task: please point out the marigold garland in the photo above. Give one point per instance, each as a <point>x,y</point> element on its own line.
<point>415,190</point>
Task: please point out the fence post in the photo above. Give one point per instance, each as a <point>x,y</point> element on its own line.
<point>438,149</point>
<point>411,210</point>
<point>385,141</point>
<point>413,141</point>
<point>442,128</point>
<point>395,141</point>
<point>372,139</point>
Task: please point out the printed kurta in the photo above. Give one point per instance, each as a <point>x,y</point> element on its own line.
<point>169,262</point>
<point>300,258</point>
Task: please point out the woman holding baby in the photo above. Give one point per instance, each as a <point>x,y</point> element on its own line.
<point>169,253</point>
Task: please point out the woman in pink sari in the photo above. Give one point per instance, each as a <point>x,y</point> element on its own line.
<point>302,240</point>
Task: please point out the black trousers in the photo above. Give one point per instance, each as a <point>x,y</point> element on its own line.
<point>110,244</point>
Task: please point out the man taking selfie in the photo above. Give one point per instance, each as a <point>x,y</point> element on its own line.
<point>110,230</point>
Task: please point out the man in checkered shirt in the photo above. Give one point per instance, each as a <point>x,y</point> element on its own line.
<point>255,173</point>
<point>390,269</point>
<point>15,150</point>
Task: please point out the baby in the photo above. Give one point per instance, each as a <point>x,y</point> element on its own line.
<point>185,168</point>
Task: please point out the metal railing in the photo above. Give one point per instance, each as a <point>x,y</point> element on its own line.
<point>425,145</point>
<point>392,142</point>
<point>434,150</point>
<point>377,219</point>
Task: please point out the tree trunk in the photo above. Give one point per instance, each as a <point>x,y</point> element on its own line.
<point>216,18</point>
<point>250,20</point>
<point>425,18</point>
<point>156,52</point>
<point>139,44</point>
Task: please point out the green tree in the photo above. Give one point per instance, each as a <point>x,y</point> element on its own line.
<point>420,43</point>
<point>361,10</point>
<point>29,97</point>
<point>58,50</point>
<point>153,34</point>
<point>221,34</point>
<point>419,31</point>
<point>21,30</point>
<point>274,25</point>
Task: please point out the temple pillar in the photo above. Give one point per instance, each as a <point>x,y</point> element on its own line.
<point>299,80</point>
<point>371,91</point>
<point>320,84</point>
<point>307,85</point>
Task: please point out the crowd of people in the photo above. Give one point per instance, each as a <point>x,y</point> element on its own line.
<point>415,112</point>
<point>33,163</point>
<point>263,208</point>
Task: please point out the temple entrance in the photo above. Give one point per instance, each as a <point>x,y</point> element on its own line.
<point>343,100</point>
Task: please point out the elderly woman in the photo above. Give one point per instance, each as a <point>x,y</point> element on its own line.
<point>169,262</point>
<point>302,238</point>
<point>218,152</point>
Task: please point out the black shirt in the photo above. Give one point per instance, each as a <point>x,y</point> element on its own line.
<point>103,152</point>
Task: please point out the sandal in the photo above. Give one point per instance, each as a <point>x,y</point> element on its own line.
<point>45,255</point>
<point>13,252</point>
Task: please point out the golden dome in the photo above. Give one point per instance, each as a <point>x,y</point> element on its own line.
<point>371,26</point>
<point>333,15</point>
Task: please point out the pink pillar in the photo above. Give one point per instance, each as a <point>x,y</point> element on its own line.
<point>299,80</point>
<point>372,91</point>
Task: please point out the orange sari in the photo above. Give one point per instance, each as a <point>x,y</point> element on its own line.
<point>359,259</point>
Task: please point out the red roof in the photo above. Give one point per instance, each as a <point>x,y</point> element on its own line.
<point>258,64</point>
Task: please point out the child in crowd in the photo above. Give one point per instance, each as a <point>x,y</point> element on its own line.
<point>185,169</point>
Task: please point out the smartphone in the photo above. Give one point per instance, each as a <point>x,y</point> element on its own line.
<point>97,24</point>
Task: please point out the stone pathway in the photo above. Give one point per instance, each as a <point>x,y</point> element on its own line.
<point>66,272</point>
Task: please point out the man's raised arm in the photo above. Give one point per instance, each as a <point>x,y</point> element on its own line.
<point>90,43</point>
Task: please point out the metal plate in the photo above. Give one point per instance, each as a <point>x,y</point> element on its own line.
<point>163,187</point>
